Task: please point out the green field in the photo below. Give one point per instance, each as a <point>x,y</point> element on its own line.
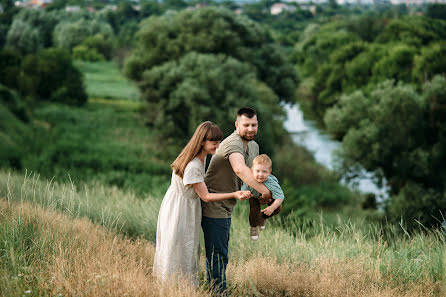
<point>104,80</point>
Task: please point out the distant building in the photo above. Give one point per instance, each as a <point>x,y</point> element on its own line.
<point>278,8</point>
<point>40,3</point>
<point>20,4</point>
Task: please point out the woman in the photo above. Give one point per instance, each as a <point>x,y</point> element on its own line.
<point>179,219</point>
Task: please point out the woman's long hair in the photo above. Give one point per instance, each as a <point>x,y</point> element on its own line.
<point>205,131</point>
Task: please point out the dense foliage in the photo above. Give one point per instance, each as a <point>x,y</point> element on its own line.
<point>48,75</point>
<point>205,64</point>
<point>376,84</point>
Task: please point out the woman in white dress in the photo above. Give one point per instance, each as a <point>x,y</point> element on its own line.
<point>179,219</point>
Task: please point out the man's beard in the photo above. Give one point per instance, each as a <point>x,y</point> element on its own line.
<point>248,138</point>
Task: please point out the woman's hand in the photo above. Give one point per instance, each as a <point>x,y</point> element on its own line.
<point>242,195</point>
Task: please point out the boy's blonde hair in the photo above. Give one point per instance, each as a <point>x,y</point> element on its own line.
<point>263,160</point>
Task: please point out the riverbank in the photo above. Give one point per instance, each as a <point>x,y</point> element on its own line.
<point>325,149</point>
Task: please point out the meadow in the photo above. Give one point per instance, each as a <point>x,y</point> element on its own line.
<point>57,238</point>
<point>84,224</point>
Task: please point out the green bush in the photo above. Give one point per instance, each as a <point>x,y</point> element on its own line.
<point>82,52</point>
<point>431,61</point>
<point>99,142</point>
<point>415,205</point>
<point>14,103</point>
<point>51,76</point>
<point>14,139</point>
<point>24,38</point>
<point>10,62</point>
<point>101,44</point>
<point>68,34</point>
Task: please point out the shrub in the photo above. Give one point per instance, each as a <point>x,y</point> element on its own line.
<point>10,61</point>
<point>14,103</point>
<point>82,52</point>
<point>415,204</point>
<point>101,44</point>
<point>51,76</point>
<point>14,135</point>
<point>67,34</point>
<point>24,37</point>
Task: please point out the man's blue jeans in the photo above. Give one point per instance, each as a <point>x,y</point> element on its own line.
<point>216,240</point>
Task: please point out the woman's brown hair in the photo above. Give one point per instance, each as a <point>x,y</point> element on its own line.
<point>205,131</point>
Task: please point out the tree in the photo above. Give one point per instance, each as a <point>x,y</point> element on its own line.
<point>51,76</point>
<point>40,20</point>
<point>409,30</point>
<point>397,64</point>
<point>23,38</point>
<point>436,11</point>
<point>184,93</point>
<point>317,49</point>
<point>214,31</point>
<point>67,34</point>
<point>10,61</point>
<point>149,8</point>
<point>431,61</point>
<point>358,71</point>
<point>401,135</point>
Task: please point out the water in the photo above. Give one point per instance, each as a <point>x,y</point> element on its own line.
<point>306,134</point>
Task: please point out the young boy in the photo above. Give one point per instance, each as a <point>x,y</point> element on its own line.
<point>261,171</point>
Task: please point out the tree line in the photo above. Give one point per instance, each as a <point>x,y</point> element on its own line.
<point>378,85</point>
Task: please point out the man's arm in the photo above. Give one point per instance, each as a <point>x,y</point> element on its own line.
<point>244,173</point>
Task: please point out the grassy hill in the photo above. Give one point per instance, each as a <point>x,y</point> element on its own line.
<point>83,223</point>
<point>45,234</point>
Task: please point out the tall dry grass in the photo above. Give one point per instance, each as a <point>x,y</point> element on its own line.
<point>325,277</point>
<point>292,259</point>
<point>105,205</point>
<point>74,257</point>
<point>349,261</point>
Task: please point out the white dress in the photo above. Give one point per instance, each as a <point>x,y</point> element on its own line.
<point>178,230</point>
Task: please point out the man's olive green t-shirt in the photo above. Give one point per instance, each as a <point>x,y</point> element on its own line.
<point>220,177</point>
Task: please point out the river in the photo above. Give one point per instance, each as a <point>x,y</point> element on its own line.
<point>305,133</point>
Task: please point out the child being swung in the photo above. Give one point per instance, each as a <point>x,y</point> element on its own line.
<point>261,171</point>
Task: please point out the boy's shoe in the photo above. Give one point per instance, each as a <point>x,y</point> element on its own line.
<point>254,233</point>
<point>263,227</point>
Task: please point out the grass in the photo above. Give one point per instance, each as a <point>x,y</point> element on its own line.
<point>46,253</point>
<point>105,141</point>
<point>104,80</point>
<point>294,259</point>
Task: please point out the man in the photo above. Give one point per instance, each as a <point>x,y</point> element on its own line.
<point>229,167</point>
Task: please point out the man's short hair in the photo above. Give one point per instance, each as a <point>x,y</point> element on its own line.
<point>263,159</point>
<point>246,111</point>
